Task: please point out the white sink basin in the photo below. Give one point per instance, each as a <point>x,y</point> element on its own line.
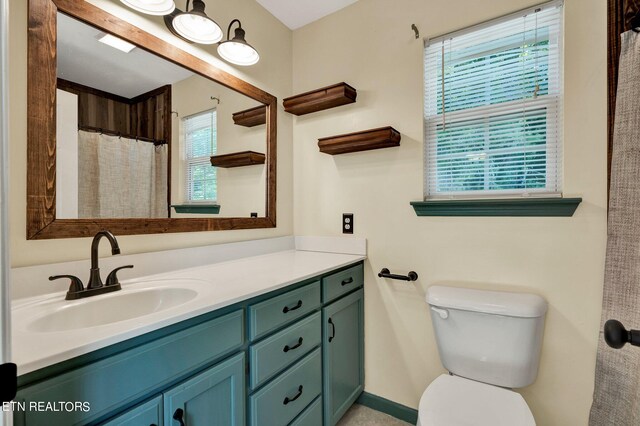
<point>110,308</point>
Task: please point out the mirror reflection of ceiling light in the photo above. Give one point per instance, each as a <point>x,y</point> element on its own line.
<point>151,7</point>
<point>116,43</point>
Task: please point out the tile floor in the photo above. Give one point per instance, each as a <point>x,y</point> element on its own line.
<point>359,415</point>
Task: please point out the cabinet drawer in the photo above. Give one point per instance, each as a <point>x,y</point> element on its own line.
<point>335,285</point>
<point>266,316</point>
<point>275,353</point>
<point>115,381</point>
<point>284,398</point>
<point>311,416</point>
<point>149,413</point>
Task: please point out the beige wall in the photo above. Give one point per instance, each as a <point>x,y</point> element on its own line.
<point>273,74</point>
<point>371,46</point>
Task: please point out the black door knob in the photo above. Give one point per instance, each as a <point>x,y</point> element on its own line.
<point>617,336</point>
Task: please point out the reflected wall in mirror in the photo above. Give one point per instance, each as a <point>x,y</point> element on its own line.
<point>141,137</point>
<point>136,133</point>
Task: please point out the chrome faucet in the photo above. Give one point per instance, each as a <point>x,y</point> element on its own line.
<point>95,285</point>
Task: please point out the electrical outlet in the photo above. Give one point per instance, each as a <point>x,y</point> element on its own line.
<point>347,223</point>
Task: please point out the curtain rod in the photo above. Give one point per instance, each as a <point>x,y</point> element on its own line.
<point>122,135</point>
<point>484,24</point>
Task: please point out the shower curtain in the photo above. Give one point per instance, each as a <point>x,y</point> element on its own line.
<point>616,399</point>
<point>120,177</point>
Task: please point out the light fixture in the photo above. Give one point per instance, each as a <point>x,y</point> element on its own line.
<point>151,7</point>
<point>237,50</point>
<point>116,43</point>
<point>194,25</point>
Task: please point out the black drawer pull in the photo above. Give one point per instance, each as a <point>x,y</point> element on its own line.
<point>333,330</point>
<point>288,309</point>
<point>296,346</point>
<point>288,400</point>
<point>178,415</point>
<point>347,281</point>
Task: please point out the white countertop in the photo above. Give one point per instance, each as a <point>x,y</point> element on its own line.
<point>218,285</point>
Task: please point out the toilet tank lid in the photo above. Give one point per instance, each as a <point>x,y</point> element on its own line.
<point>491,302</point>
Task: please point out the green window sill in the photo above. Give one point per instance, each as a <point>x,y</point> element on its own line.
<point>556,207</point>
<point>197,208</point>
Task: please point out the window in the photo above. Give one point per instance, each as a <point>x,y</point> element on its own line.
<point>200,143</point>
<point>493,108</point>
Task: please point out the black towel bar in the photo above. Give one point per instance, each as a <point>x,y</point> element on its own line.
<point>385,273</point>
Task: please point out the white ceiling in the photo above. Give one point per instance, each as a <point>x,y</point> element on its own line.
<point>83,59</point>
<point>298,13</point>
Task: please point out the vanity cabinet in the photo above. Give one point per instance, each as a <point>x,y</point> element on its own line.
<point>293,356</point>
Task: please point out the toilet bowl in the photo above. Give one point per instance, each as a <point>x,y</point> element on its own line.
<point>451,400</point>
<point>490,342</point>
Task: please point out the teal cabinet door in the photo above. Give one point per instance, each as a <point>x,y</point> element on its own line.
<point>215,397</point>
<point>343,355</point>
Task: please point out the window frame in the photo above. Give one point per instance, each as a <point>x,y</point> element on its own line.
<point>552,102</point>
<point>188,161</point>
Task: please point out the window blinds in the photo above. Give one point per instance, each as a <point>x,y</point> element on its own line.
<point>200,138</point>
<point>493,108</point>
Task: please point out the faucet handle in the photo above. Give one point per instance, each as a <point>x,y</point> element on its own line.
<point>76,283</point>
<point>112,278</point>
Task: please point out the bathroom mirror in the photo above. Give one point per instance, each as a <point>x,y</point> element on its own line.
<point>135,134</point>
<point>131,134</point>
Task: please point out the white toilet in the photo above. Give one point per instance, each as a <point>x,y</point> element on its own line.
<point>490,342</point>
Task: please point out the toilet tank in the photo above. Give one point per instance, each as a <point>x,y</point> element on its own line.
<point>490,336</point>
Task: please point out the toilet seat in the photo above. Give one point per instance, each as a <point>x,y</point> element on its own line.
<point>455,401</point>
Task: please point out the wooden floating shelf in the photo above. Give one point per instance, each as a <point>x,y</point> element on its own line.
<point>320,99</point>
<point>237,159</point>
<point>384,137</point>
<point>251,117</point>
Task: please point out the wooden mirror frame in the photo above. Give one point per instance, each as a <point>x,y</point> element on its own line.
<point>41,132</point>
